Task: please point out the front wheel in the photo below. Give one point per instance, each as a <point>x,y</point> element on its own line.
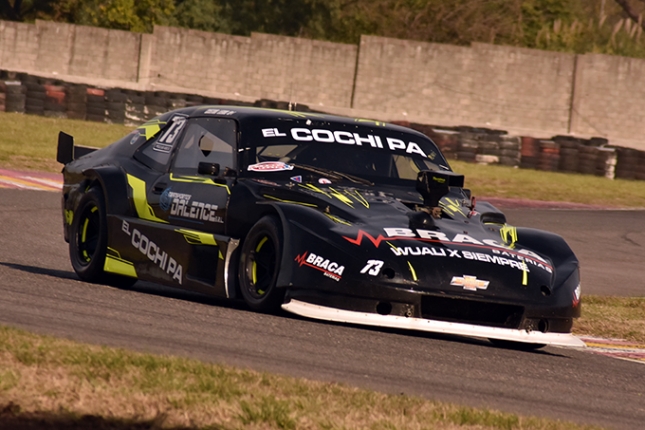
<point>260,265</point>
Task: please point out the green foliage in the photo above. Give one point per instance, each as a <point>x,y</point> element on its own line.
<point>581,26</point>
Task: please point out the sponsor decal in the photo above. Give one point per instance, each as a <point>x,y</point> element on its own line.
<point>346,138</point>
<point>180,205</point>
<point>218,112</point>
<point>269,166</point>
<point>272,132</point>
<point>577,293</point>
<point>297,179</point>
<point>329,268</point>
<point>470,283</point>
<point>373,267</point>
<point>497,248</point>
<point>324,181</point>
<point>416,251</point>
<point>154,253</point>
<point>166,141</point>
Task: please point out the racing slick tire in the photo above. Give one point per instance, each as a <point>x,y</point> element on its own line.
<point>88,244</point>
<point>260,265</point>
<point>520,346</point>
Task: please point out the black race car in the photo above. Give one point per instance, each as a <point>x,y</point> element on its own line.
<point>333,218</point>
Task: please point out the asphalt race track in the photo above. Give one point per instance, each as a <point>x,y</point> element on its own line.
<point>40,292</point>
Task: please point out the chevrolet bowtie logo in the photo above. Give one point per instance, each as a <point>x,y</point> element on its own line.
<point>470,283</point>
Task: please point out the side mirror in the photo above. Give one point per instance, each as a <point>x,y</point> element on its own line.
<point>205,168</point>
<point>434,185</point>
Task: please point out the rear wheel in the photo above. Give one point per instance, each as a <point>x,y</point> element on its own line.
<point>88,242</point>
<point>260,265</point>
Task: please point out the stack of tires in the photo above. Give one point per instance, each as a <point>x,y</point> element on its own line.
<point>194,100</point>
<point>3,95</point>
<point>587,159</point>
<point>639,171</point>
<point>549,156</point>
<point>569,153</point>
<point>176,101</point>
<point>606,163</point>
<point>487,149</point>
<point>35,100</point>
<point>627,163</point>
<point>529,153</point>
<point>156,103</point>
<point>115,101</point>
<point>448,142</point>
<point>96,105</point>
<point>15,97</point>
<point>55,101</point>
<point>76,102</point>
<point>135,107</point>
<point>468,147</point>
<point>509,150</point>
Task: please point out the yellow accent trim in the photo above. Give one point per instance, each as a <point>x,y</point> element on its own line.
<point>144,211</point>
<point>119,266</point>
<point>84,233</point>
<point>525,274</point>
<point>376,123</point>
<point>337,219</point>
<point>314,188</point>
<point>151,128</point>
<point>349,202</point>
<point>414,273</point>
<point>509,235</point>
<point>69,216</point>
<point>358,196</point>
<point>198,180</point>
<point>197,237</point>
<point>266,196</point>
<point>262,242</point>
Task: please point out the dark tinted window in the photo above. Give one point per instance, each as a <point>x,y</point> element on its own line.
<point>210,140</point>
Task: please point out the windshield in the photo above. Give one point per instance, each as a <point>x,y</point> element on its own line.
<point>364,150</point>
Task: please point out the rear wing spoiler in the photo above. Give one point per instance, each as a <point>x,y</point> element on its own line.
<point>67,151</point>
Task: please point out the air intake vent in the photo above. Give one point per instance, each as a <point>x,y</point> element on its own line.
<point>471,312</point>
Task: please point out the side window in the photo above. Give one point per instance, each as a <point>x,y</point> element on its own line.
<point>156,153</point>
<point>210,140</point>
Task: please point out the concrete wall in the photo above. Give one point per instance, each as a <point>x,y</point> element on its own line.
<point>301,70</point>
<point>610,97</point>
<point>521,90</point>
<point>483,84</point>
<point>199,60</point>
<point>18,46</point>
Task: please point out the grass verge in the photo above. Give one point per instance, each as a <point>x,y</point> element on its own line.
<point>28,142</point>
<point>612,317</point>
<point>75,385</point>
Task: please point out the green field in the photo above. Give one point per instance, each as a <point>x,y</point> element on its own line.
<point>29,143</point>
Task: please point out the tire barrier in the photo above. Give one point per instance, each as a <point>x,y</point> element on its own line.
<point>15,96</point>
<point>24,93</point>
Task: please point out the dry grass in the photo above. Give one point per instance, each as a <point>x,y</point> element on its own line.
<point>612,317</point>
<point>28,142</point>
<point>503,181</point>
<point>65,381</point>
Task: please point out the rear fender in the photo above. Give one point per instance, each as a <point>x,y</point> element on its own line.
<point>113,181</point>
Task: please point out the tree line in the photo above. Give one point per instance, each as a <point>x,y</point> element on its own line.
<point>604,26</point>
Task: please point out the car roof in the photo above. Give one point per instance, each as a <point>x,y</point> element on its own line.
<point>246,114</point>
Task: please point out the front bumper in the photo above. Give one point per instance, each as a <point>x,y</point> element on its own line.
<point>420,324</point>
